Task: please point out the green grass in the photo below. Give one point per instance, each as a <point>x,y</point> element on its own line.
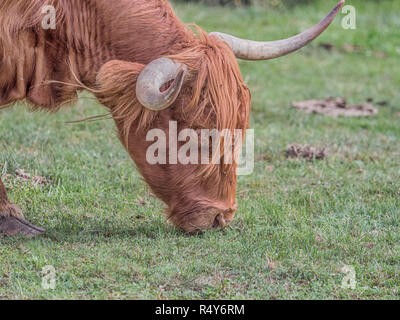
<point>296,226</point>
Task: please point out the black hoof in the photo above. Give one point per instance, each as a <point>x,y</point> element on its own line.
<point>12,226</point>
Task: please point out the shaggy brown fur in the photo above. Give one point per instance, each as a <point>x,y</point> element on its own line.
<point>104,47</point>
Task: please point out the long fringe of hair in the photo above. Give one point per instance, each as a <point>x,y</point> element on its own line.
<point>215,97</point>
<point>218,96</point>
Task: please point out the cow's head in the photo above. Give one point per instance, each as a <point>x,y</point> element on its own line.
<point>199,87</point>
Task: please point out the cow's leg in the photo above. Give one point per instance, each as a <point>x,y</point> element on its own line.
<point>12,221</point>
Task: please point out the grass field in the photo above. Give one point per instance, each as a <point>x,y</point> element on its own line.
<point>299,222</point>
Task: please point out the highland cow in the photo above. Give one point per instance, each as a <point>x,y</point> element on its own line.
<point>147,68</point>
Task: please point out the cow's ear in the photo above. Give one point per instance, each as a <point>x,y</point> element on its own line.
<point>116,81</point>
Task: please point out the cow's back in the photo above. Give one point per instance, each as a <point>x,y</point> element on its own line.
<point>46,66</point>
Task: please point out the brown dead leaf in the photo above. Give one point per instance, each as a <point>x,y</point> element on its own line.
<point>335,107</point>
<point>38,180</point>
<point>23,175</point>
<point>308,152</point>
<point>35,180</point>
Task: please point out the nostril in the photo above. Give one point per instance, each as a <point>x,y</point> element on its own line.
<point>219,221</point>
<point>215,224</point>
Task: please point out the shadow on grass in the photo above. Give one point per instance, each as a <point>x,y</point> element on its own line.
<point>97,231</point>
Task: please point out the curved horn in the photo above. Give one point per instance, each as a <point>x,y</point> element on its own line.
<point>253,50</point>
<point>153,77</point>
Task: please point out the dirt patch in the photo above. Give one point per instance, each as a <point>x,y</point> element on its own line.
<point>382,103</point>
<point>307,152</point>
<point>27,177</point>
<point>327,46</point>
<point>351,48</point>
<point>23,176</point>
<point>335,107</point>
<point>265,157</point>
